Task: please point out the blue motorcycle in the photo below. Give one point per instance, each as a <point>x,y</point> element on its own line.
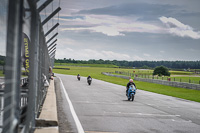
<point>131,92</point>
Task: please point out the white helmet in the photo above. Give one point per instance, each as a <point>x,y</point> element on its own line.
<point>131,80</point>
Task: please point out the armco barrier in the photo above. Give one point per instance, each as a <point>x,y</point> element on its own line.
<point>170,83</point>
<point>162,82</point>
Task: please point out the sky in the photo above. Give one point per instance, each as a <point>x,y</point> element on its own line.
<point>129,30</point>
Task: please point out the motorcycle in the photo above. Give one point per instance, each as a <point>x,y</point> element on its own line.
<point>89,81</point>
<point>131,92</point>
<point>79,78</point>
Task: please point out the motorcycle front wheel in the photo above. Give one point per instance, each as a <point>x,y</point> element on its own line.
<point>132,97</point>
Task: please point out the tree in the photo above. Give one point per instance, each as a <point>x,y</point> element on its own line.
<point>161,70</point>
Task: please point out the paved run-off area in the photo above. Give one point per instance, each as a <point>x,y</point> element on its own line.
<point>103,107</point>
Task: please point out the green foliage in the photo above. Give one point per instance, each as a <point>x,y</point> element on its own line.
<point>95,72</point>
<point>138,64</point>
<point>161,70</point>
<point>145,67</point>
<point>1,73</point>
<point>2,63</point>
<point>2,60</point>
<point>87,65</point>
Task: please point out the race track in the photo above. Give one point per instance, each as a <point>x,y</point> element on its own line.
<point>103,108</point>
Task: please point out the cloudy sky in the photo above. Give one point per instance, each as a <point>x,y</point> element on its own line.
<point>129,30</point>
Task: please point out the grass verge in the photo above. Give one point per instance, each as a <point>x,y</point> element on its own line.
<point>1,73</point>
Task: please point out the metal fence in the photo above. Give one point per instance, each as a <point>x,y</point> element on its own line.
<point>162,82</point>
<point>164,78</point>
<point>29,32</point>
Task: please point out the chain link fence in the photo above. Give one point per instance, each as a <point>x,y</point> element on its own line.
<point>28,31</point>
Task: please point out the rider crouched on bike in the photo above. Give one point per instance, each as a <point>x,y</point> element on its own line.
<point>129,83</point>
<point>89,77</point>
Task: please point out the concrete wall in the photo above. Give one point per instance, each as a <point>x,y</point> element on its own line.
<point>162,82</point>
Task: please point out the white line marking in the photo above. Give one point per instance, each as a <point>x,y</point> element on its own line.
<point>143,114</point>
<point>77,122</point>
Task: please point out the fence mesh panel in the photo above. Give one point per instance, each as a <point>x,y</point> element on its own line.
<point>25,56</point>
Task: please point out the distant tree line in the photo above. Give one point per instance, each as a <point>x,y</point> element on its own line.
<point>2,60</point>
<point>137,64</point>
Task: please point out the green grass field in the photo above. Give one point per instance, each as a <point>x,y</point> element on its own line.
<point>178,76</point>
<point>150,72</point>
<point>95,72</point>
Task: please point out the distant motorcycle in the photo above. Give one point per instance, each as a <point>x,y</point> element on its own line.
<point>89,80</point>
<point>131,92</point>
<point>79,78</point>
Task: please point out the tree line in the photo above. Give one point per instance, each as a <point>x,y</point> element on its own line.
<point>2,60</point>
<point>137,64</point>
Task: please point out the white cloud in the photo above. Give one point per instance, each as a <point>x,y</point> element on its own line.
<point>147,55</point>
<point>136,57</point>
<point>162,51</point>
<point>177,28</point>
<point>86,54</point>
<point>112,25</point>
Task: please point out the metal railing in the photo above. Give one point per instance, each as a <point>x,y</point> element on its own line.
<point>164,78</point>
<point>26,44</point>
<point>24,94</point>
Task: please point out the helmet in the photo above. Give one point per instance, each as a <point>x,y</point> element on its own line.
<point>131,80</point>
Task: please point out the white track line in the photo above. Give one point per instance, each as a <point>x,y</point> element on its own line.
<point>77,122</point>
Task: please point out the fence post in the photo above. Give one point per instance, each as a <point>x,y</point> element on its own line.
<point>33,76</point>
<point>13,67</point>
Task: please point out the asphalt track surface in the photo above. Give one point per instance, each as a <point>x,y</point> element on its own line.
<point>1,79</point>
<point>103,107</point>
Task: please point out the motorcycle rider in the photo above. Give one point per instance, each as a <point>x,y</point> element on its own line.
<point>89,80</point>
<point>129,83</point>
<point>78,76</point>
<point>88,77</point>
